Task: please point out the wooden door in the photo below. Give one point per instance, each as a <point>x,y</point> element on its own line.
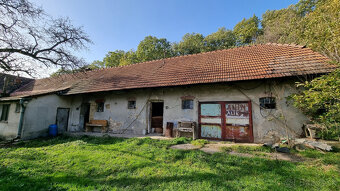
<point>238,121</point>
<point>62,119</point>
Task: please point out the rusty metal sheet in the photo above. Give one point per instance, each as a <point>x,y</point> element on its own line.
<point>237,132</point>
<point>211,109</point>
<point>211,131</point>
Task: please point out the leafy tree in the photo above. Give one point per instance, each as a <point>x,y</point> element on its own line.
<point>113,59</point>
<point>152,48</point>
<point>309,22</point>
<point>129,57</point>
<point>315,23</point>
<point>222,39</point>
<point>247,30</point>
<point>191,43</point>
<point>321,102</point>
<point>96,64</point>
<point>322,28</point>
<point>62,71</point>
<point>29,38</point>
<point>280,26</point>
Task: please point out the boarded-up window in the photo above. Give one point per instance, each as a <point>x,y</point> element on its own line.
<point>131,104</point>
<point>4,113</point>
<point>188,104</point>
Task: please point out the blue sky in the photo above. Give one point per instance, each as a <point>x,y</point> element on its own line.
<point>122,24</point>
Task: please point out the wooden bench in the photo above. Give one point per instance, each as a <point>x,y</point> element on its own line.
<point>96,123</point>
<point>188,127</point>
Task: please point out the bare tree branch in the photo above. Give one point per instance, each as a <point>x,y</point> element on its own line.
<point>28,35</point>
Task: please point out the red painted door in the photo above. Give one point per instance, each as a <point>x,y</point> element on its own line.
<point>238,121</point>
<point>226,121</point>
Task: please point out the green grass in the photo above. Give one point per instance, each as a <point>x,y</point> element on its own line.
<point>199,142</point>
<point>86,163</point>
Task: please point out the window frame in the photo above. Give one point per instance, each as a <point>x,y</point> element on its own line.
<point>131,106</point>
<point>267,102</point>
<point>186,105</point>
<point>100,106</point>
<point>4,116</point>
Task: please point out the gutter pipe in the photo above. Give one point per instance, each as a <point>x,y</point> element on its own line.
<point>23,103</point>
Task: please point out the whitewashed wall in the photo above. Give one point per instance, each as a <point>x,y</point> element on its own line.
<point>9,128</point>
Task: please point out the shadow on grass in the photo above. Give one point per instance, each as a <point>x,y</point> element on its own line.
<point>11,180</point>
<point>48,141</point>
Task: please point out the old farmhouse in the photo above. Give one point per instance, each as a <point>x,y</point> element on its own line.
<point>237,94</point>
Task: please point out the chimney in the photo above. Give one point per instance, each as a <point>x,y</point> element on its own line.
<point>17,80</point>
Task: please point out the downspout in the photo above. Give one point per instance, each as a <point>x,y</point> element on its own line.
<point>23,103</point>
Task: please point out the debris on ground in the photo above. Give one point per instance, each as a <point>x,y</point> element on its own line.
<point>313,144</point>
<point>282,149</point>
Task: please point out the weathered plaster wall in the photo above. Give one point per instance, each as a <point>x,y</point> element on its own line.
<point>9,128</point>
<point>40,113</point>
<point>267,124</point>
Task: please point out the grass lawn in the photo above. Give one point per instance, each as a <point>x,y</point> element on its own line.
<point>87,163</point>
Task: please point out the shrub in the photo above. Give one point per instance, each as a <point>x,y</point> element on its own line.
<point>199,142</point>
<point>320,100</point>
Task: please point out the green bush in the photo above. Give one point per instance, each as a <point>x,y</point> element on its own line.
<point>320,100</point>
<point>199,142</point>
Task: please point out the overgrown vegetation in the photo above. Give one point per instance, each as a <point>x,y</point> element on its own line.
<point>88,163</point>
<point>321,102</point>
<point>199,142</point>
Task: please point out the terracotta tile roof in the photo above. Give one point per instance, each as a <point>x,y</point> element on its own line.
<point>242,63</point>
<point>13,82</point>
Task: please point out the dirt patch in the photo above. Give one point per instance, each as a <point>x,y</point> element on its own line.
<point>215,148</point>
<point>185,147</point>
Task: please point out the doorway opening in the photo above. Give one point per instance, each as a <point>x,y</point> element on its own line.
<point>157,110</point>
<point>84,115</point>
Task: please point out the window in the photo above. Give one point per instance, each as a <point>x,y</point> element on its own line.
<point>131,104</point>
<point>267,103</point>
<point>17,108</point>
<point>4,113</point>
<point>100,106</point>
<point>188,104</point>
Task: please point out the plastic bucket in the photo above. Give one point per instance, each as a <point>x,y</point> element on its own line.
<point>53,130</point>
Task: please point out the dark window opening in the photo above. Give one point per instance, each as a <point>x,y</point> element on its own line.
<point>157,109</point>
<point>100,107</point>
<point>131,104</point>
<point>188,104</point>
<point>4,113</point>
<point>267,103</point>
<point>17,108</point>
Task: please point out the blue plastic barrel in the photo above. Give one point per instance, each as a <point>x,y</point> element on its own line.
<point>53,130</point>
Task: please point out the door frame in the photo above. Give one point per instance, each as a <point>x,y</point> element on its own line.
<point>149,114</point>
<point>68,116</point>
<point>223,119</point>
